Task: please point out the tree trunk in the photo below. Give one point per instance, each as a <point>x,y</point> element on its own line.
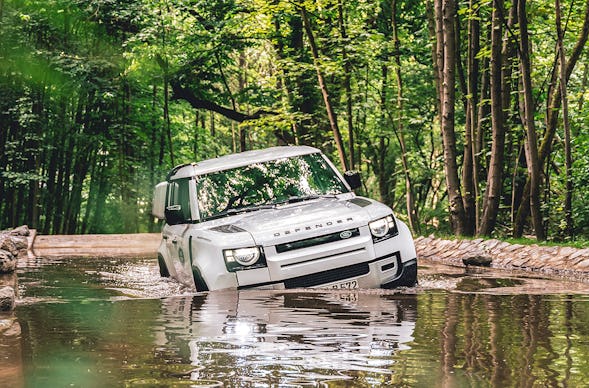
<point>437,35</point>
<point>378,152</point>
<point>167,118</point>
<point>568,202</point>
<point>152,157</point>
<point>469,167</point>
<point>456,207</point>
<point>409,198</point>
<point>495,173</point>
<point>242,129</point>
<point>347,85</point>
<point>92,192</point>
<point>531,137</point>
<point>33,163</point>
<point>324,91</point>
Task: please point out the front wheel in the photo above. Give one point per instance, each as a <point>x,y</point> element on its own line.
<point>199,282</point>
<point>408,277</point>
<point>163,267</point>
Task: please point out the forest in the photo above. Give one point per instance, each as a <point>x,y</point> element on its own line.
<point>466,117</point>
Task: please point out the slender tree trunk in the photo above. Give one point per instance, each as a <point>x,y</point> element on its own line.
<point>167,118</point>
<point>75,201</point>
<point>568,203</point>
<point>437,32</point>
<point>483,111</point>
<point>495,173</point>
<point>456,204</point>
<point>152,156</point>
<point>63,181</point>
<point>347,85</point>
<point>409,198</point>
<point>212,129</point>
<point>379,151</point>
<point>196,138</point>
<point>469,169</point>
<point>242,128</point>
<point>581,102</point>
<point>531,137</point>
<point>33,163</point>
<point>97,221</point>
<point>92,192</point>
<point>324,91</point>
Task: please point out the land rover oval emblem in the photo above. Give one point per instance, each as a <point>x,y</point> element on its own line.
<point>345,234</point>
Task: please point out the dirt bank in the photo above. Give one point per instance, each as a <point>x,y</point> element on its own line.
<point>96,245</point>
<point>553,260</point>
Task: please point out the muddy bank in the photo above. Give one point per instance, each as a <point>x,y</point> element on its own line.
<point>553,260</point>
<point>13,246</point>
<point>96,245</point>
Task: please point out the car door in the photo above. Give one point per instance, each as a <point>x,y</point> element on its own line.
<point>174,234</point>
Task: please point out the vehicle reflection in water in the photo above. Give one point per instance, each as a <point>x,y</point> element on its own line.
<point>291,338</point>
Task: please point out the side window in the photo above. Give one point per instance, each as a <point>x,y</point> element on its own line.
<point>184,198</point>
<point>178,199</point>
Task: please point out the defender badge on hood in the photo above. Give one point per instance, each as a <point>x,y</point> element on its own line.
<point>314,227</point>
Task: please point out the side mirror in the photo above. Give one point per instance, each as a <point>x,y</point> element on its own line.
<point>159,200</point>
<point>353,179</point>
<point>174,215</point>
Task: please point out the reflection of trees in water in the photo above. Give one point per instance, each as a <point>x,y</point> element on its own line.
<point>521,340</point>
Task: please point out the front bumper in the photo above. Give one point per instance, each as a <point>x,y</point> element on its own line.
<point>387,272</point>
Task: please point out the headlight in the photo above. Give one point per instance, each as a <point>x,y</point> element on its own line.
<point>383,228</point>
<point>235,259</point>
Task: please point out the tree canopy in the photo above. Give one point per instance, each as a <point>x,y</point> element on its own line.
<point>466,117</point>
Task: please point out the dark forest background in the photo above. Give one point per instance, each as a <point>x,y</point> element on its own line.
<point>466,117</point>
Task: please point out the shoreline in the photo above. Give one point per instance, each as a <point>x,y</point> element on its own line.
<point>493,253</point>
<point>550,260</point>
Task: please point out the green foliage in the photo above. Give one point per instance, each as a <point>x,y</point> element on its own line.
<point>92,113</point>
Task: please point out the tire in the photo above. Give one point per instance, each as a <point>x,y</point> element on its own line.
<point>163,268</point>
<point>199,282</point>
<point>408,278</point>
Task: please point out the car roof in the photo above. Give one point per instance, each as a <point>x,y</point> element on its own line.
<point>240,159</point>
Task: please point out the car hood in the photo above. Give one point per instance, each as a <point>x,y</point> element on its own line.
<point>302,220</point>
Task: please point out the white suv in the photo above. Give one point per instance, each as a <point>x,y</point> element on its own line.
<point>277,218</point>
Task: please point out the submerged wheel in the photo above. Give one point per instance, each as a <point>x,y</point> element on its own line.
<point>199,282</point>
<point>163,268</point>
<point>408,278</point>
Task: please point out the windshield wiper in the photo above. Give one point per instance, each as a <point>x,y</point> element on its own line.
<point>304,198</point>
<point>238,210</point>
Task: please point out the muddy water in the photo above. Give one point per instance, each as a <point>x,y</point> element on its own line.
<point>96,323</point>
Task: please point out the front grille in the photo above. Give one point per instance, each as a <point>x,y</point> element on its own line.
<point>313,241</point>
<point>332,275</point>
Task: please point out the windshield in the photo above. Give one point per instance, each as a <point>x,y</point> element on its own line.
<point>266,184</point>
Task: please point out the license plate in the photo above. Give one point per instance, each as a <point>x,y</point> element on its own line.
<point>345,285</point>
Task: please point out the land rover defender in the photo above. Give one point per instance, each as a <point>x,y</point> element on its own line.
<point>281,217</point>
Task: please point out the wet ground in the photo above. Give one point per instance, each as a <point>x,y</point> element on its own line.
<point>95,323</point>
